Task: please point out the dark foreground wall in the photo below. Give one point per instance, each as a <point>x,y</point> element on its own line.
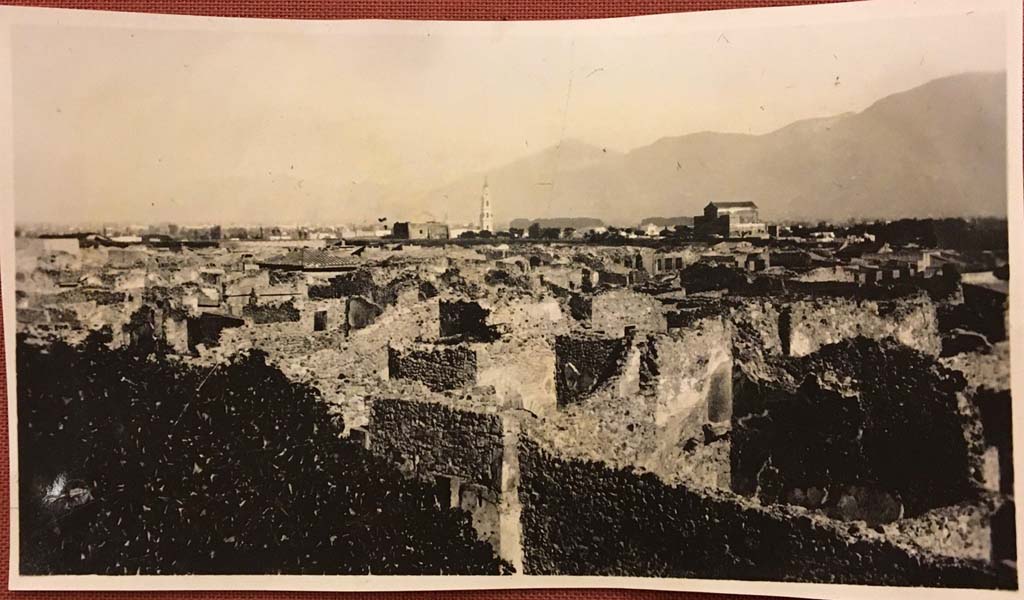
<point>439,439</point>
<point>626,524</point>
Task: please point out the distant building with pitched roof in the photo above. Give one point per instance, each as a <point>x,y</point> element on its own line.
<point>730,220</point>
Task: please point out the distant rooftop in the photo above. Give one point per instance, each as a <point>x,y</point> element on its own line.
<point>732,204</point>
<point>308,259</point>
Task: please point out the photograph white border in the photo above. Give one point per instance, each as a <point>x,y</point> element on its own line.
<point>681,23</point>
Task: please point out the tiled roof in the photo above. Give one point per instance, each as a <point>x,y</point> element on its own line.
<point>311,260</point>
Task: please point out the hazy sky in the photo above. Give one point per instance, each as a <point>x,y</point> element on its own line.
<point>155,125</point>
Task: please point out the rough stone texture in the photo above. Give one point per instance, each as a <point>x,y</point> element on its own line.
<point>141,329</point>
<point>880,417</point>
<point>280,340</point>
<point>995,408</point>
<point>333,316</point>
<point>963,530</point>
<point>988,387</point>
<point>384,285</point>
<point>522,373</point>
<point>581,307</point>
<point>206,328</point>
<point>757,330</point>
<point>360,312</point>
<point>99,296</point>
<point>662,407</point>
<point>981,311</point>
<point>175,332</point>
<point>702,277</point>
<point>623,523</point>
<point>614,310</point>
<point>653,412</point>
<point>529,318</point>
<point>984,369</point>
<point>470,454</point>
<point>584,363</point>
<point>271,312</point>
<point>356,283</point>
<point>815,323</point>
<point>466,320</point>
<point>280,277</point>
<point>439,368</point>
<point>439,439</point>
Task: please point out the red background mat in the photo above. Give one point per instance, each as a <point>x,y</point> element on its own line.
<point>413,9</point>
<point>371,9</point>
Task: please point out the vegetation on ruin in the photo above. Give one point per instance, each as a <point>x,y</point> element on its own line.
<point>131,463</point>
<point>858,413</point>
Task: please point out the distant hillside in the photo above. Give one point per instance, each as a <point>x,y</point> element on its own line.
<point>666,221</point>
<point>935,150</point>
<point>560,223</point>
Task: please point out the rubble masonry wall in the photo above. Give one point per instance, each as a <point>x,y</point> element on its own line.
<point>474,452</point>
<point>614,310</point>
<point>623,523</point>
<point>584,363</point>
<point>816,323</point>
<point>439,368</point>
<point>522,373</point>
<point>439,439</point>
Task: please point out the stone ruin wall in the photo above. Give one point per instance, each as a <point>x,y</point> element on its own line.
<point>615,310</point>
<point>816,323</point>
<point>279,340</point>
<point>692,371</point>
<point>360,313</point>
<point>522,373</point>
<point>472,451</point>
<point>662,404</point>
<point>439,439</point>
<point>465,320</point>
<point>271,312</point>
<point>531,318</point>
<point>625,523</point>
<point>694,514</point>
<point>439,368</point>
<point>770,326</point>
<point>584,363</point>
<point>987,376</point>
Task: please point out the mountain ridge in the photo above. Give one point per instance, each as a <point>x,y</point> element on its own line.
<point>937,149</point>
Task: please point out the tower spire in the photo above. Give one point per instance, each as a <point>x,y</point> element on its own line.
<point>486,217</point>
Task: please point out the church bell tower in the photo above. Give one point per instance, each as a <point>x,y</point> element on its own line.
<point>486,217</point>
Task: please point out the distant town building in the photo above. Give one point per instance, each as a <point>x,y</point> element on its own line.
<point>669,261</point>
<point>486,217</point>
<point>365,231</point>
<point>730,220</point>
<point>652,230</point>
<point>431,230</point>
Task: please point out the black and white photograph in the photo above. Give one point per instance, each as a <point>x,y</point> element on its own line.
<point>712,301</point>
